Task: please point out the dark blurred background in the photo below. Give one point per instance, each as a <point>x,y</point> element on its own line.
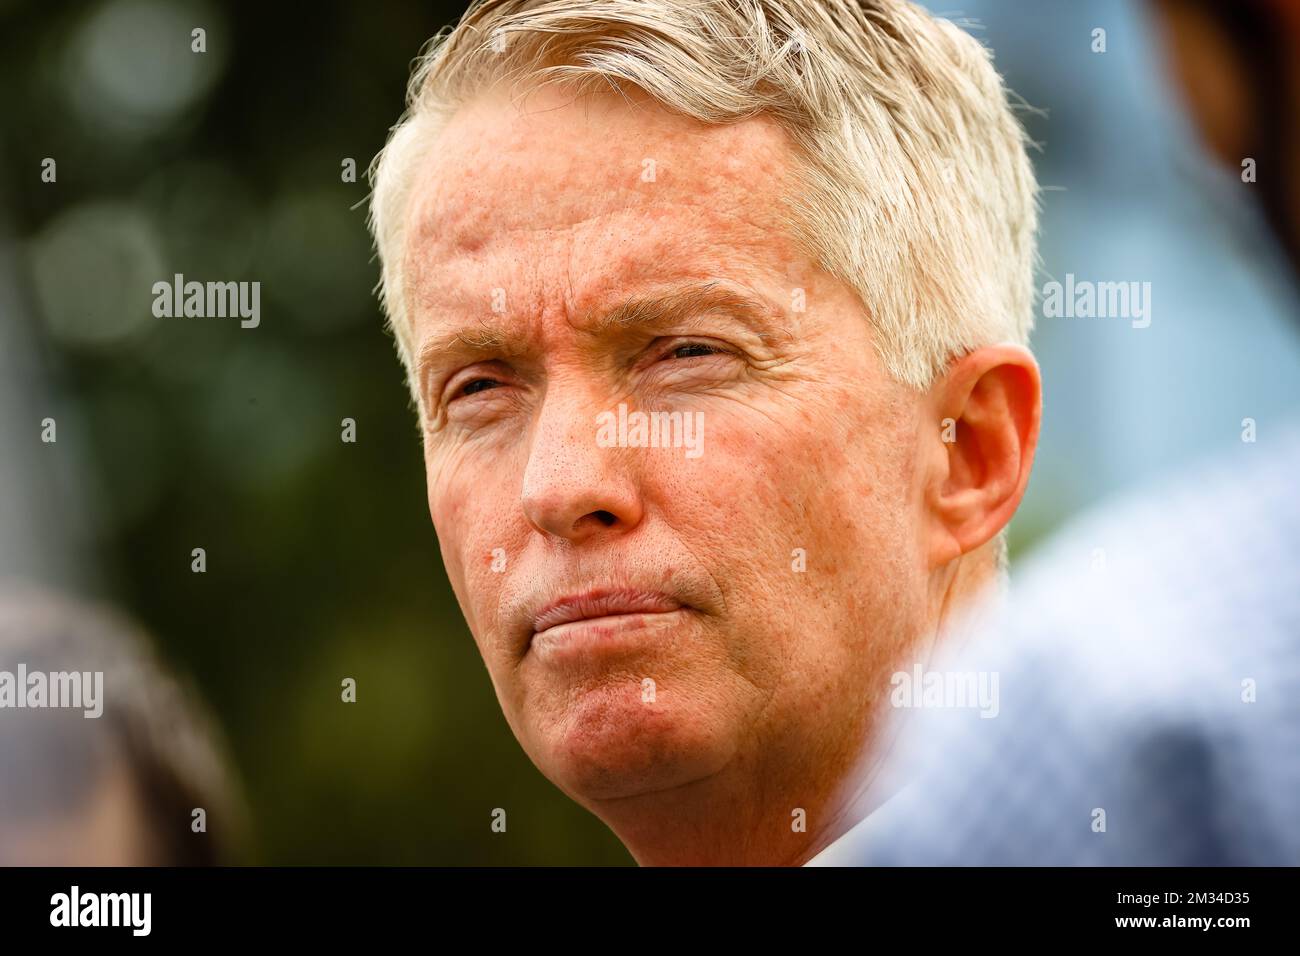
<point>175,434</point>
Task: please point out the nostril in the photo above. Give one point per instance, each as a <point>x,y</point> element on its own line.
<point>604,517</point>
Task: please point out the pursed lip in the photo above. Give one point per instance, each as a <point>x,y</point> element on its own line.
<point>603,602</point>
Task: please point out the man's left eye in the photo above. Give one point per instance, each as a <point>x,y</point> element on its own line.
<point>695,349</point>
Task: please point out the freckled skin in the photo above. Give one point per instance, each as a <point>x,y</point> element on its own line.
<point>764,692</point>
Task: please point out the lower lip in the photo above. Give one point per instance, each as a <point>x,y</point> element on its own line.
<point>601,637</point>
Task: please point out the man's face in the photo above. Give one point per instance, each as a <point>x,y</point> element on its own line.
<point>742,601</point>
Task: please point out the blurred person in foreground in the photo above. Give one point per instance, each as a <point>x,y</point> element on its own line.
<point>104,758</point>
<point>1149,657</point>
<point>714,316</point>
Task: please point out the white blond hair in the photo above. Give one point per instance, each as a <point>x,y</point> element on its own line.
<point>915,186</point>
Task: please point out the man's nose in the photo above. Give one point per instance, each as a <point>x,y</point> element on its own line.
<point>573,488</point>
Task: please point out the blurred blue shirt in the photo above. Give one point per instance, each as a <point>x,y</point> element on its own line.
<point>1148,667</point>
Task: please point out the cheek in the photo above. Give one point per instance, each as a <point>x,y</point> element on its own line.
<point>462,506</point>
<point>825,492</point>
<point>806,477</point>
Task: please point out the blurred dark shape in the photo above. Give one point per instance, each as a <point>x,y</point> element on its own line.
<point>120,789</point>
<point>1237,65</point>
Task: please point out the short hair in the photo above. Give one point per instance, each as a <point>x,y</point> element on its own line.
<point>153,726</point>
<point>915,187</point>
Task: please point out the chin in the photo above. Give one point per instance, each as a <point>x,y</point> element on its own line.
<point>609,743</point>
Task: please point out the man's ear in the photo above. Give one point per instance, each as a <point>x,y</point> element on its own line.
<point>986,413</point>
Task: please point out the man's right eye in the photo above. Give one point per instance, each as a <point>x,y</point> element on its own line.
<point>477,385</point>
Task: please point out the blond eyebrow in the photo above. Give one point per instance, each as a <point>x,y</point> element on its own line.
<point>680,303</point>
<point>688,301</point>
